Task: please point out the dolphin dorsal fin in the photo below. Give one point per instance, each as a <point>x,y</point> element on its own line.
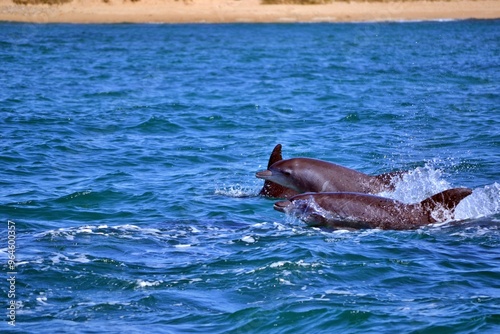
<point>275,156</point>
<point>446,200</point>
<point>271,189</point>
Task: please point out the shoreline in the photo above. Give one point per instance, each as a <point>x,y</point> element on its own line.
<point>247,11</point>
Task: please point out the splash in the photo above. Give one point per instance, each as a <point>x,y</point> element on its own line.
<point>483,202</point>
<point>418,184</point>
<point>237,191</point>
<point>422,182</point>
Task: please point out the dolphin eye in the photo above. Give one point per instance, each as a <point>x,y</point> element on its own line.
<point>287,172</point>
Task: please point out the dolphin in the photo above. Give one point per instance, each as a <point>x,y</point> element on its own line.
<point>312,175</point>
<point>365,211</point>
<point>271,189</point>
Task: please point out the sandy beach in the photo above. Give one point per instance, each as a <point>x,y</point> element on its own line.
<point>226,11</point>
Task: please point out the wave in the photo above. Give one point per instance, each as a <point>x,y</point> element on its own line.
<point>128,231</point>
<point>157,124</point>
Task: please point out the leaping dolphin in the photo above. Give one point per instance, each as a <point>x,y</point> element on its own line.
<point>364,211</point>
<point>312,175</point>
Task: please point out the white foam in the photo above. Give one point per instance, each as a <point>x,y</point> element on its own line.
<point>42,300</point>
<point>299,263</point>
<point>182,246</point>
<point>482,202</point>
<point>279,227</point>
<point>248,239</point>
<point>195,230</point>
<point>145,284</point>
<point>285,282</point>
<point>423,182</point>
<point>472,232</point>
<point>236,190</point>
<point>86,230</point>
<point>81,258</point>
<point>418,184</point>
<point>278,264</point>
<point>69,233</point>
<point>341,231</point>
<point>57,258</point>
<point>338,292</point>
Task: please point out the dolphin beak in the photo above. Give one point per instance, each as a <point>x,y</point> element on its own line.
<point>281,206</point>
<point>265,174</point>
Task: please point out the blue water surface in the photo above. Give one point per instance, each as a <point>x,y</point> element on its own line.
<point>128,155</point>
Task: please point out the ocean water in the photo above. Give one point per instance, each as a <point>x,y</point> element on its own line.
<point>127,183</point>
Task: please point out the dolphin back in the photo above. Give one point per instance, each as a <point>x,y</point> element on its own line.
<point>387,179</point>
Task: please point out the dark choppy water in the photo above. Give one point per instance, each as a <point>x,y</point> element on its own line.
<point>128,155</point>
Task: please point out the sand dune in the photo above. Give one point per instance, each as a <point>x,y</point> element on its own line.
<point>212,11</point>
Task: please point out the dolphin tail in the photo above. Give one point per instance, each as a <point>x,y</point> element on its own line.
<point>271,189</point>
<point>441,206</point>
